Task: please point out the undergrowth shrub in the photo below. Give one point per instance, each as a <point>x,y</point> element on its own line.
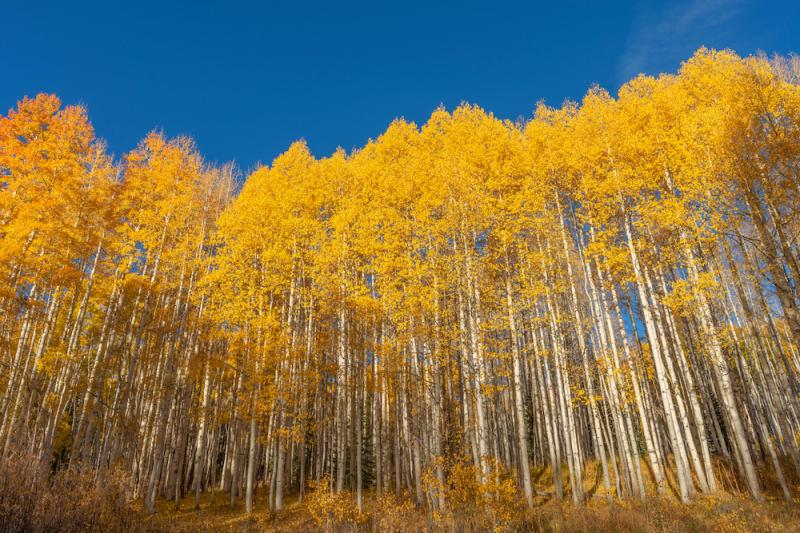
<point>476,501</point>
<point>392,513</point>
<point>68,500</point>
<point>333,511</point>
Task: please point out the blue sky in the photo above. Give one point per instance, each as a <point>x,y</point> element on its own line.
<point>247,79</point>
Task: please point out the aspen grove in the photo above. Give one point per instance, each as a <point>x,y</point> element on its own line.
<point>611,286</point>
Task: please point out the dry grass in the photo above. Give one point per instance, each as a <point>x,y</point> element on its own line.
<point>721,513</point>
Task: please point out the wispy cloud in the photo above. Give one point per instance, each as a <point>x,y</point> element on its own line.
<point>663,35</point>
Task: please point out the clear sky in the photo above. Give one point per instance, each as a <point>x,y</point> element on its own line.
<point>247,79</point>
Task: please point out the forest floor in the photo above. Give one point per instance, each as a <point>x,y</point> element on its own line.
<point>729,510</point>
<point>723,513</point>
<point>73,501</point>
